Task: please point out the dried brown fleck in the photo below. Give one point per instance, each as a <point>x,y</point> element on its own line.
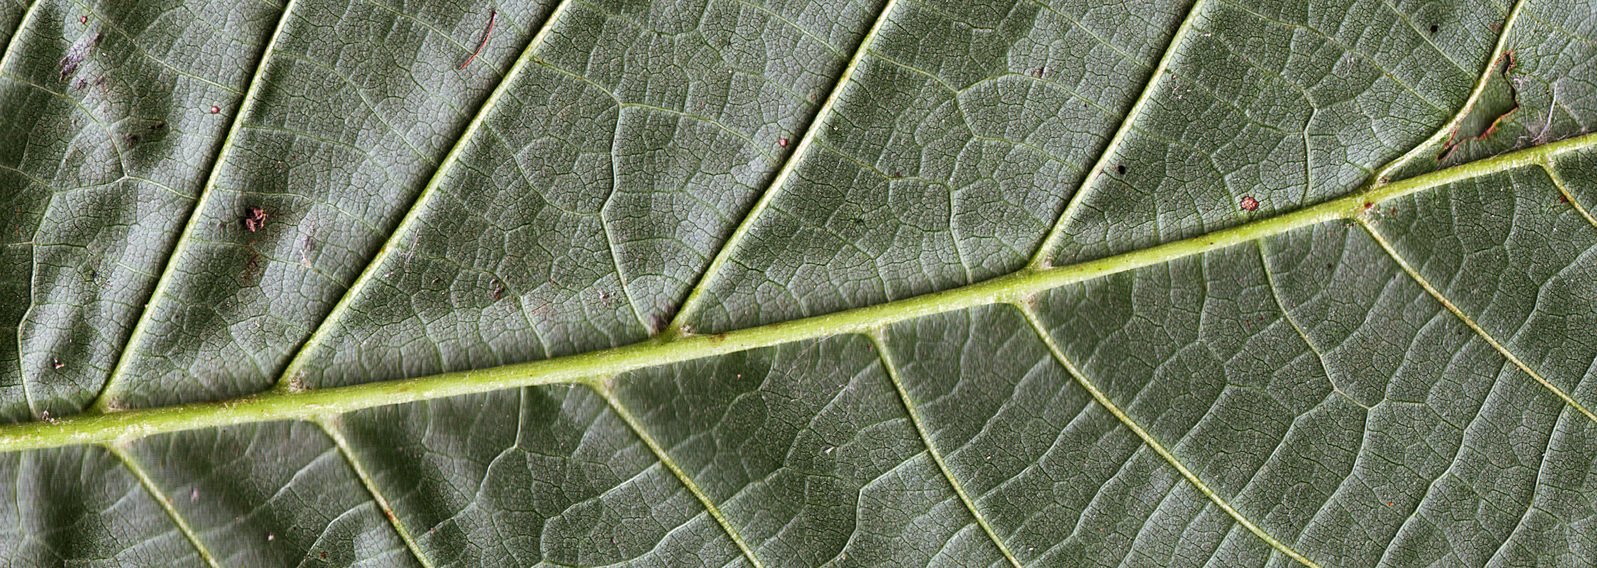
<point>782,141</point>
<point>216,109</point>
<point>1249,203</point>
<point>254,219</point>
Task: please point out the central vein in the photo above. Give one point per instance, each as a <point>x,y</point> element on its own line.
<point>289,405</point>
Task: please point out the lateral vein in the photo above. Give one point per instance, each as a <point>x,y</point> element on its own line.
<point>1153,444</point>
<point>161,499</point>
<point>1468,321</point>
<point>931,449</point>
<point>1042,257</point>
<point>690,304</point>
<point>676,470</point>
<point>337,436</point>
<point>413,214</point>
<point>103,400</point>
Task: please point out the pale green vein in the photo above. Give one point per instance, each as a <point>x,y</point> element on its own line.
<point>287,404</point>
<point>1275,294</point>
<point>22,24</point>
<point>691,303</point>
<point>1468,321</point>
<point>1046,251</point>
<point>329,426</point>
<point>1447,129</point>
<point>413,214</point>
<point>671,465</point>
<point>1153,444</point>
<point>931,449</point>
<point>161,499</point>
<point>105,400</point>
<point>1563,190</point>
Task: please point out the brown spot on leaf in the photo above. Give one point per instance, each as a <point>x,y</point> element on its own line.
<point>782,142</point>
<point>84,19</point>
<point>1121,169</point>
<point>498,291</point>
<point>1249,203</point>
<point>254,219</point>
<point>216,109</point>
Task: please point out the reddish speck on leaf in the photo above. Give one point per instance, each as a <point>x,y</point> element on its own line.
<point>1249,203</point>
<point>1368,205</point>
<point>254,219</point>
<point>1563,198</point>
<point>216,109</point>
<point>782,141</point>
<point>83,20</point>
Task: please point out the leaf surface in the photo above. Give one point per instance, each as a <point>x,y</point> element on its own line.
<point>791,283</point>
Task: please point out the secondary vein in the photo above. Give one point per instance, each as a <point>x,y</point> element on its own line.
<point>291,372</point>
<point>1152,443</point>
<point>104,400</point>
<point>691,303</point>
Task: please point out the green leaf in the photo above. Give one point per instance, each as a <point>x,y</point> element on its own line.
<point>716,282</point>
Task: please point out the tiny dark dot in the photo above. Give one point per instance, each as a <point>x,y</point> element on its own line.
<point>1433,28</point>
<point>1121,168</point>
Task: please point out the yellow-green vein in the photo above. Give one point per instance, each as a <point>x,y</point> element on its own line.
<point>1153,444</point>
<point>105,400</point>
<point>1468,321</point>
<point>670,465</point>
<point>291,373</point>
<point>931,449</point>
<point>160,498</point>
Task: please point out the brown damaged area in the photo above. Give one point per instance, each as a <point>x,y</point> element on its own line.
<point>1507,62</point>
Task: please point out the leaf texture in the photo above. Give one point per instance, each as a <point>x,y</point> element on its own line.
<point>758,282</point>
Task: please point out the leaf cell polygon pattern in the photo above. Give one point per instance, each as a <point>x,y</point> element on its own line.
<point>744,282</point>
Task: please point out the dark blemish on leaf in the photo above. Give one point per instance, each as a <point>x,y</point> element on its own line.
<point>1563,198</point>
<point>84,19</point>
<point>322,555</point>
<point>1121,169</point>
<point>133,139</point>
<point>1433,29</point>
<point>1368,205</point>
<point>782,142</point>
<point>498,291</point>
<point>159,125</point>
<point>1038,72</point>
<point>55,363</point>
<point>254,219</point>
<point>1249,203</point>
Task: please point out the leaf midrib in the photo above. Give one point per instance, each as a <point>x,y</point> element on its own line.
<point>101,427</point>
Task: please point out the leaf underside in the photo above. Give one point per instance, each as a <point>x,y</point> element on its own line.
<point>765,282</point>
